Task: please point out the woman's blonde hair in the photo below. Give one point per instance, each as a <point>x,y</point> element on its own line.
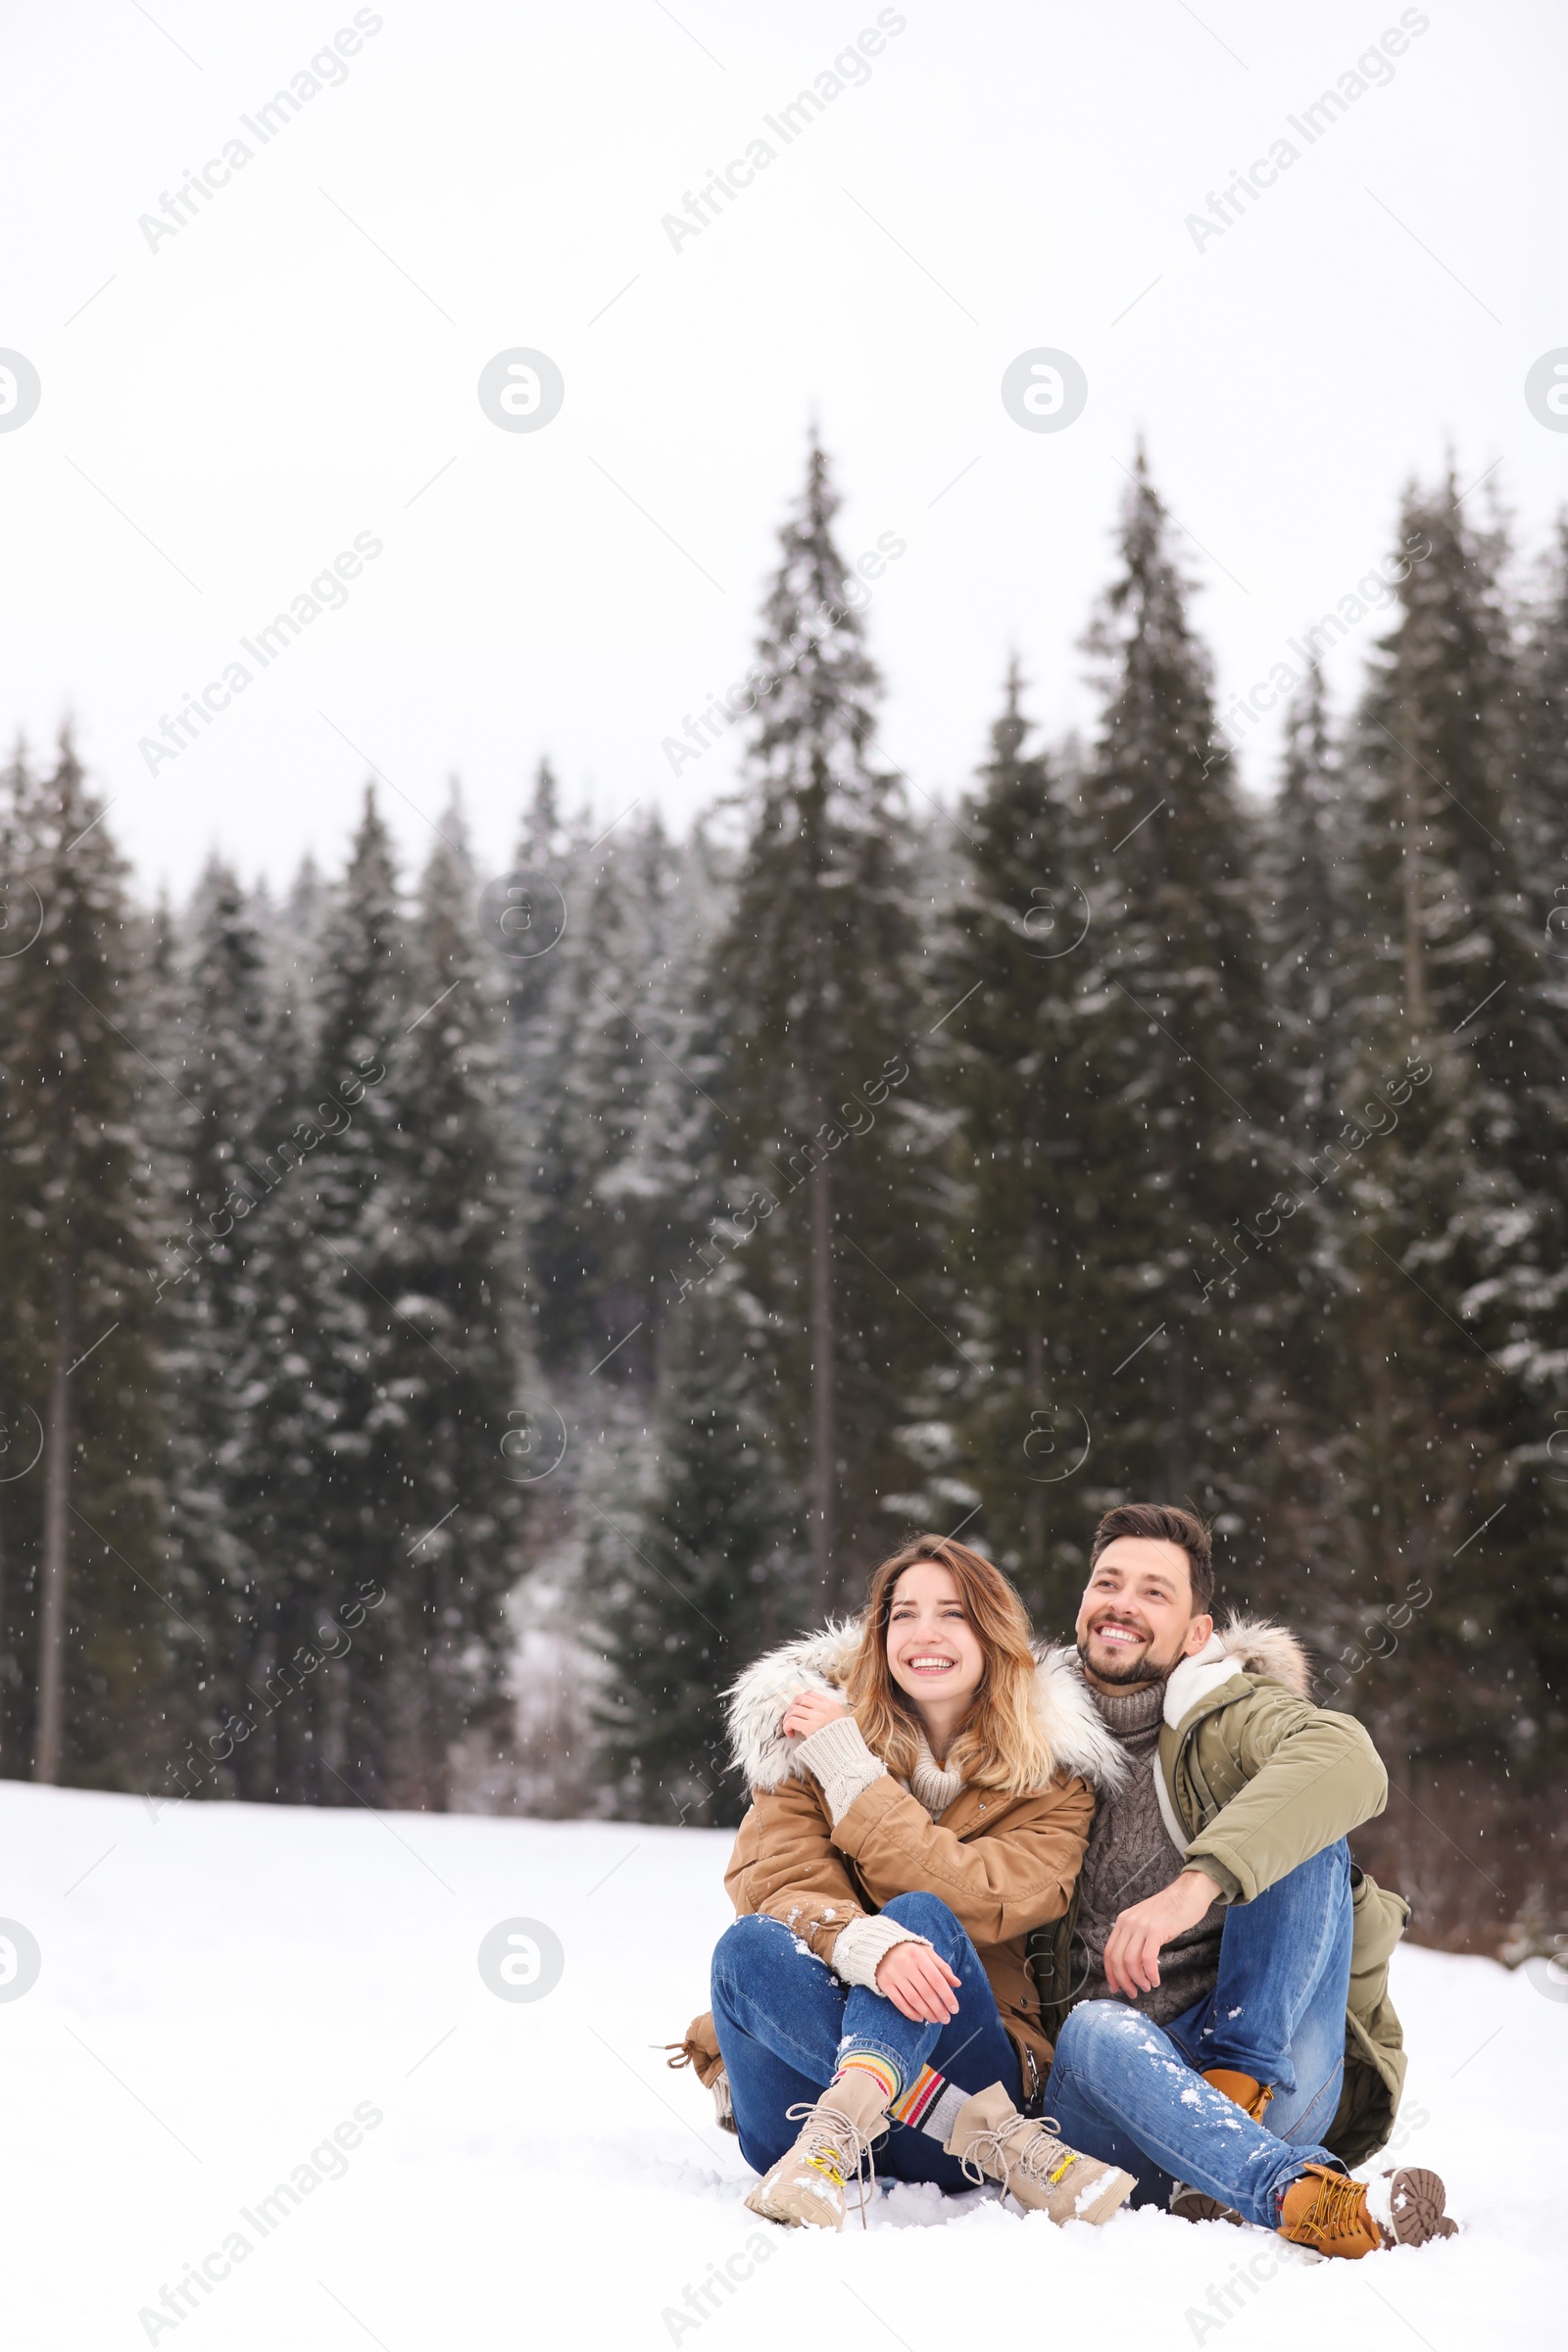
<point>1000,1744</point>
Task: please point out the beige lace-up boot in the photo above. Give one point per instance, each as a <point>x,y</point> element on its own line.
<point>806,2187</point>
<point>993,2141</point>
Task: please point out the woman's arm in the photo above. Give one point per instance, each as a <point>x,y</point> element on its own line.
<point>1016,1877</point>
<point>786,1865</point>
<point>1019,1875</point>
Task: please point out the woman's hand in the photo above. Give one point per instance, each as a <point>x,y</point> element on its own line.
<point>807,1712</point>
<point>918,1983</point>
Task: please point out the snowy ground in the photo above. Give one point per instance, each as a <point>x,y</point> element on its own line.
<point>222,1988</point>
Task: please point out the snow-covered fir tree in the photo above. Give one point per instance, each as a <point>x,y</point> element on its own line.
<point>1020,941</point>
<point>692,1584</point>
<point>820,973</point>
<point>86,1560</point>
<point>1182,1374</point>
<point>446,1236</point>
<point>1457,1233</point>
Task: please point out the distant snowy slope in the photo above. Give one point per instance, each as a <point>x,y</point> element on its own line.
<point>228,1995</point>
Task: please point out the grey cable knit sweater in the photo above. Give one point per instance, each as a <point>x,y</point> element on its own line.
<point>1130,1858</point>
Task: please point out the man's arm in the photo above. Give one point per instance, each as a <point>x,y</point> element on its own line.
<point>1141,1932</point>
<point>1314,1776</point>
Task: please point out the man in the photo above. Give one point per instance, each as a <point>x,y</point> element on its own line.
<point>1218,1994</point>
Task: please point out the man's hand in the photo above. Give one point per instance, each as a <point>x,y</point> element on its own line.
<point>920,1984</point>
<point>807,1712</point>
<point>1133,1946</point>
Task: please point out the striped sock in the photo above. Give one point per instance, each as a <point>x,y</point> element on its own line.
<point>871,2062</point>
<point>911,2107</point>
<point>931,2105</point>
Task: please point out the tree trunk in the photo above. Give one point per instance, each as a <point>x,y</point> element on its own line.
<point>57,1471</point>
<point>1034,1504</point>
<point>823,1434</point>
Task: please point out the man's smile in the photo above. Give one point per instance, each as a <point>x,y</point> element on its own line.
<point>1118,1631</point>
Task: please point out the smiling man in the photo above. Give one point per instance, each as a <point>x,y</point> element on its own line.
<point>1219,1990</point>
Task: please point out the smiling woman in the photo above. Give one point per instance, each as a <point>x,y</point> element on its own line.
<point>921,1800</point>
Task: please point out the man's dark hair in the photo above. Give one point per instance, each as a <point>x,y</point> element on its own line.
<point>1163,1523</point>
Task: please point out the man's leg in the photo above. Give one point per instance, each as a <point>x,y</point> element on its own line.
<point>1277,2013</point>
<point>1278,2009</point>
<point>1122,2089</point>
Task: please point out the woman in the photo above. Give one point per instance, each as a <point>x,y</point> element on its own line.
<point>920,1802</point>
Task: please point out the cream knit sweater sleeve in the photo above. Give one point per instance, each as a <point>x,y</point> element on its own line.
<point>838,1758</point>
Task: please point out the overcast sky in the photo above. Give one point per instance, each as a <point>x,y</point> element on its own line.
<point>231,403</point>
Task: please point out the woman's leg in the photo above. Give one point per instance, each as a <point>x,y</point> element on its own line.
<point>785,2027</point>
<point>972,2050</point>
<point>779,2014</point>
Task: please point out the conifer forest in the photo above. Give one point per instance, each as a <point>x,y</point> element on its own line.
<point>452,1320</point>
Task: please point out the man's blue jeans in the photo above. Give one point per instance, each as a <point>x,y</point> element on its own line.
<point>1130,2093</point>
<point>786,2023</point>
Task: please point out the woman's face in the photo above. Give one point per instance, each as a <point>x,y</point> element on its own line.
<point>934,1653</point>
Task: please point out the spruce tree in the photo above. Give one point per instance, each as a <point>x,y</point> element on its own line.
<point>820,966</point>
<point>593,1256</point>
<point>336,1349</point>
<point>85,1553</point>
<point>272,1455</point>
<point>1020,938</point>
<point>1541,805</point>
<point>205,1281</point>
<point>1458,1236</point>
<point>1183,1370</point>
<point>534,929</point>
<point>1305,914</point>
<point>448,1239</point>
<point>689,1586</point>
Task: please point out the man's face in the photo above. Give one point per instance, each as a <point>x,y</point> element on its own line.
<point>1136,1618</point>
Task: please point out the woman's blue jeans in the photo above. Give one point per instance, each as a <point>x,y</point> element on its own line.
<point>786,2024</point>
<point>1131,2092</point>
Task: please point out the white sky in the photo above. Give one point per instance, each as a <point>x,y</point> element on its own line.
<point>266,384</point>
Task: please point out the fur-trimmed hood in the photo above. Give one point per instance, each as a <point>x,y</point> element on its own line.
<point>1073,1726</point>
<point>1244,1645</point>
<point>758,1700</point>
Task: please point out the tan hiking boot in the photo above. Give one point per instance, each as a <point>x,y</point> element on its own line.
<point>1332,2215</point>
<point>1243,2090</point>
<point>1191,2204</point>
<point>993,2141</point>
<point>806,2187</point>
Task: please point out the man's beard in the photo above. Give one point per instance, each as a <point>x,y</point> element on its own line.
<point>1144,1670</point>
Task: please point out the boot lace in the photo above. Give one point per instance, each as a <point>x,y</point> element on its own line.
<point>833,2144</point>
<point>1019,2147</point>
<point>1339,2210</point>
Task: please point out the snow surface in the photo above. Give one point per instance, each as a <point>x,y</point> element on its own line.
<point>221,1986</point>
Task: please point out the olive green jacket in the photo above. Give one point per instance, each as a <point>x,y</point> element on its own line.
<point>1253,1780</point>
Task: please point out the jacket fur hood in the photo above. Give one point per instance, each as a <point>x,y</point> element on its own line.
<point>759,1698</point>
<point>1244,1645</point>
